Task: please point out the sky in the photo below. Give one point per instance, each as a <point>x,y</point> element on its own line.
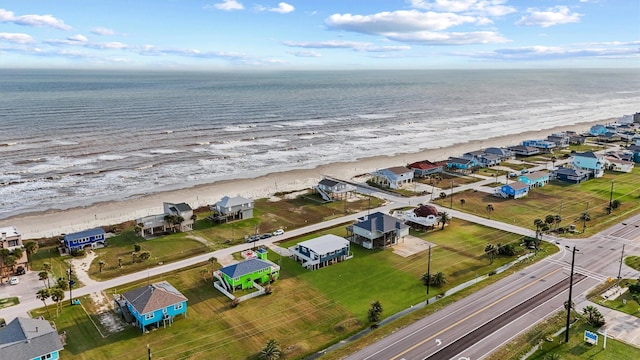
<point>319,34</point>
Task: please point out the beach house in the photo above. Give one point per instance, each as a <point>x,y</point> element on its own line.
<point>155,304</point>
<point>535,179</point>
<point>482,158</point>
<point>524,150</point>
<point>392,177</point>
<point>177,217</point>
<point>29,339</point>
<point>377,230</point>
<point>93,238</point>
<point>543,145</point>
<point>233,208</point>
<point>503,153</point>
<point>425,168</point>
<point>560,139</point>
<point>514,190</point>
<point>255,268</point>
<point>322,251</point>
<point>615,164</point>
<point>456,163</point>
<point>596,130</point>
<point>11,239</point>
<point>590,162</point>
<point>570,175</point>
<point>330,189</point>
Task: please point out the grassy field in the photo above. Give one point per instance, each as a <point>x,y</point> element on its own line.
<point>633,262</point>
<point>557,198</point>
<point>59,264</point>
<point>10,301</point>
<point>307,311</point>
<point>575,349</point>
<point>624,303</point>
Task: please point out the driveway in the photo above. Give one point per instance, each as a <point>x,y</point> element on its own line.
<point>26,289</point>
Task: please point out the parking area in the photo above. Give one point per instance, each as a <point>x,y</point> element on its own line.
<point>27,287</point>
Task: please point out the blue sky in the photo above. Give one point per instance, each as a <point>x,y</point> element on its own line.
<point>322,34</point>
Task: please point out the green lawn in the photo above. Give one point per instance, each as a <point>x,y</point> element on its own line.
<point>557,198</point>
<point>10,301</point>
<point>633,261</point>
<point>624,303</point>
<point>59,264</point>
<point>307,311</point>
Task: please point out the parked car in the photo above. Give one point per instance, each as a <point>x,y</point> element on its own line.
<point>14,280</point>
<point>20,270</point>
<point>265,236</point>
<point>253,238</point>
<point>278,232</point>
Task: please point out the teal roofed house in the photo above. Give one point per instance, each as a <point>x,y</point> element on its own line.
<point>155,304</point>
<point>589,161</point>
<point>514,190</point>
<point>243,274</point>
<point>536,179</point>
<point>29,339</point>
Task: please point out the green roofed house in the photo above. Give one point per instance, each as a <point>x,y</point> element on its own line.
<point>27,339</point>
<point>242,275</point>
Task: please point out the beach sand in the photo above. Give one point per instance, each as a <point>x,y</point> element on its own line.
<point>55,222</point>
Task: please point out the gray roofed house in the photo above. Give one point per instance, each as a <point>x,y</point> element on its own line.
<point>331,189</point>
<point>233,208</point>
<point>501,152</point>
<point>244,274</point>
<point>153,297</point>
<point>26,339</point>
<point>245,267</point>
<point>378,230</point>
<point>524,150</point>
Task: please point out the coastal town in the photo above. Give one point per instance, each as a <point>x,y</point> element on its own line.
<point>308,270</point>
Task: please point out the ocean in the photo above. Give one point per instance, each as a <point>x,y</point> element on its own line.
<point>73,138</point>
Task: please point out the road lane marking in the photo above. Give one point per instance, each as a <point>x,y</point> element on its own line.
<point>472,315</point>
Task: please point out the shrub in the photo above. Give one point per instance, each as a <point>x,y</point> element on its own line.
<point>77,252</point>
<point>136,248</point>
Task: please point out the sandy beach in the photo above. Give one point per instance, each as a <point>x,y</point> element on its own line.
<point>54,222</point>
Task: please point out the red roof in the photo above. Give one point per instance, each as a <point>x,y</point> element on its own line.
<point>423,165</point>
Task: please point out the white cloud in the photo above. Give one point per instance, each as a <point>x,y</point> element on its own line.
<point>381,49</point>
<point>229,5</point>
<point>17,38</point>
<point>330,44</point>
<point>397,21</point>
<point>449,38</point>
<point>306,53</point>
<point>478,7</point>
<point>553,16</point>
<point>552,53</point>
<point>283,8</point>
<point>102,31</point>
<point>33,20</point>
<point>79,38</point>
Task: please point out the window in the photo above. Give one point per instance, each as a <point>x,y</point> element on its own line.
<point>13,243</point>
<point>44,357</point>
<point>148,316</point>
<point>177,306</point>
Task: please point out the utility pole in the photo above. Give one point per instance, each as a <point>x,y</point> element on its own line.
<point>148,352</point>
<point>610,199</point>
<point>428,272</point>
<point>573,258</point>
<point>70,284</point>
<point>451,205</point>
<point>620,268</point>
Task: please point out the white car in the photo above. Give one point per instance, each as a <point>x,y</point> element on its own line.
<point>278,232</point>
<point>14,280</point>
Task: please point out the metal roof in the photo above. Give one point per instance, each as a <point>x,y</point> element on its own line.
<point>25,339</point>
<point>245,267</point>
<point>325,244</point>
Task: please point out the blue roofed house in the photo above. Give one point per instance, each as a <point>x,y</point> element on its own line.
<point>242,275</point>
<point>635,150</point>
<point>514,190</point>
<point>154,304</point>
<point>321,251</point>
<point>570,175</point>
<point>94,238</point>
<point>536,179</point>
<point>596,130</point>
<point>393,177</point>
<point>590,162</point>
<point>543,145</point>
<point>377,230</point>
<point>29,339</point>
<point>461,163</point>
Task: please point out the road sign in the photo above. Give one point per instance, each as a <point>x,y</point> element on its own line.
<point>591,337</point>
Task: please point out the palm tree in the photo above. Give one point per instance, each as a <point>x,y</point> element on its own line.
<point>489,209</point>
<point>31,247</point>
<point>374,312</point>
<point>444,219</point>
<point>101,264</point>
<point>585,217</point>
<point>549,219</point>
<point>213,261</point>
<point>443,195</point>
<point>203,273</point>
<point>595,318</point>
<point>119,262</point>
<point>553,162</point>
<point>438,279</point>
<point>43,275</point>
<point>270,351</point>
<point>47,267</point>
<point>490,250</point>
<point>538,223</point>
<point>557,219</point>
<point>615,204</point>
<point>10,261</point>
<point>57,295</point>
<point>62,283</point>
<point>462,202</point>
<point>17,252</point>
<point>43,294</point>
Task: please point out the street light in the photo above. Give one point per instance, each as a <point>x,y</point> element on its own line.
<point>573,258</point>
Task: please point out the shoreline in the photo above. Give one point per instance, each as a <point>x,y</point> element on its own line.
<point>53,222</point>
